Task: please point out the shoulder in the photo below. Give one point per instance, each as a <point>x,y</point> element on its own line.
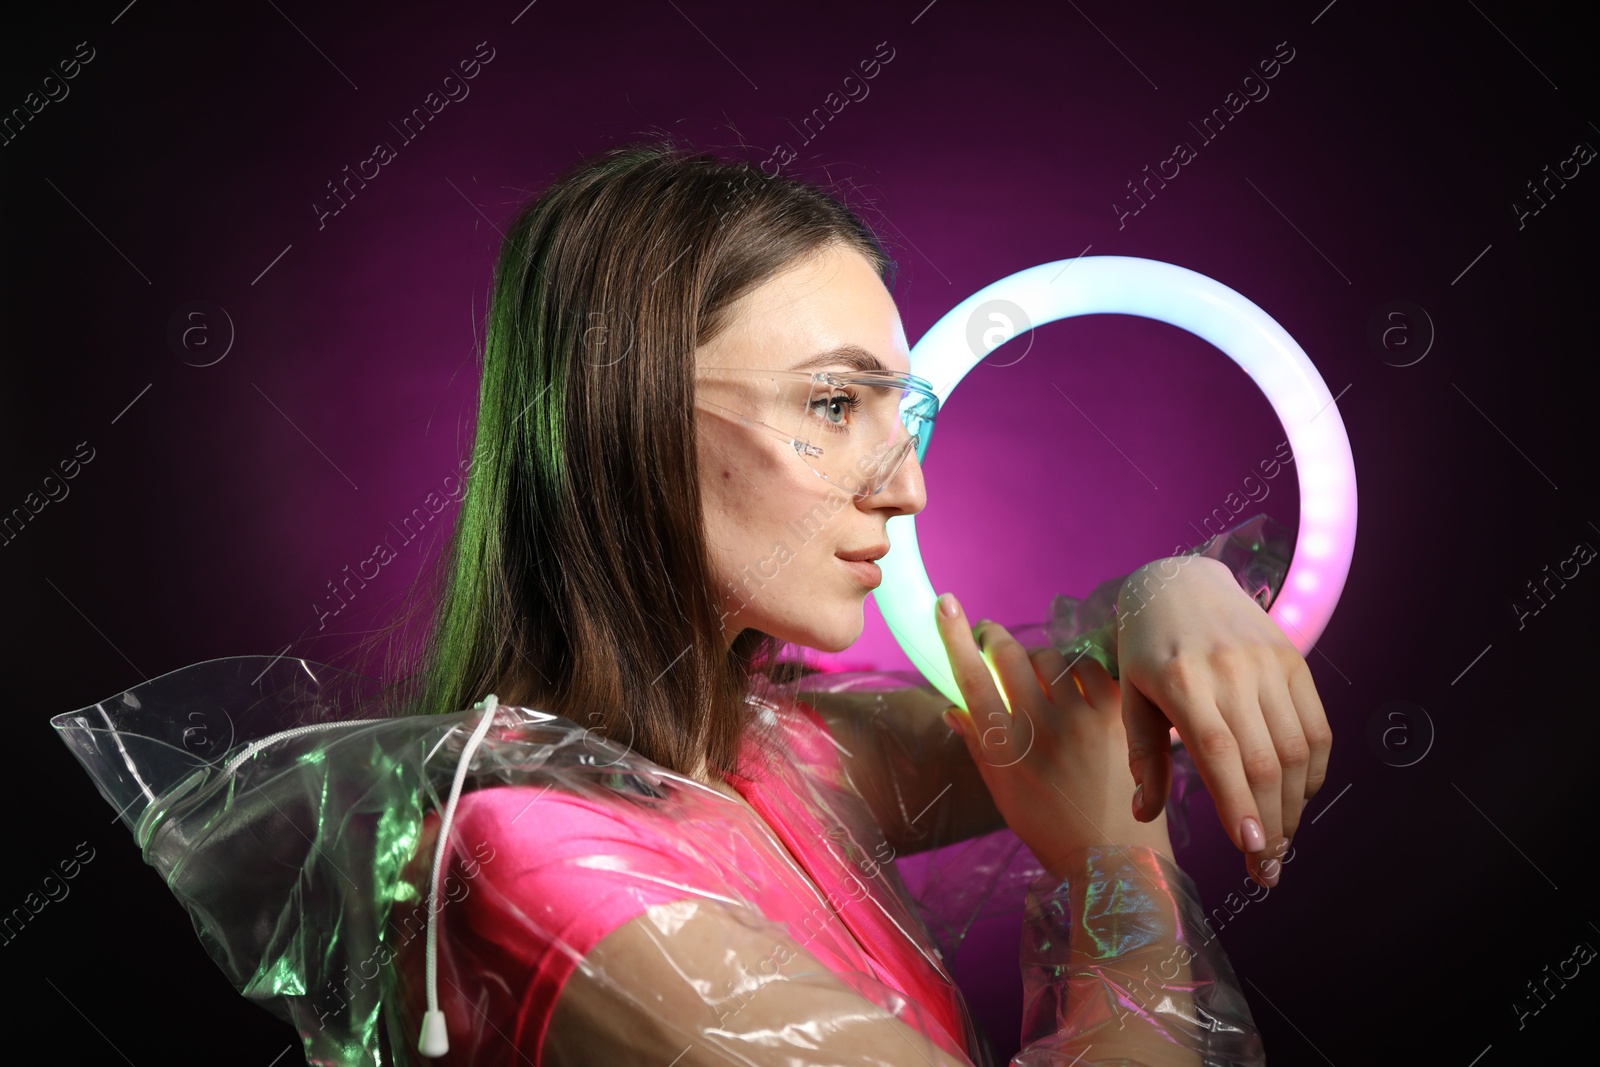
<point>533,869</point>
<point>539,875</point>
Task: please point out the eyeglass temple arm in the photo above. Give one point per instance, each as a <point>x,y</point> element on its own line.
<point>800,447</point>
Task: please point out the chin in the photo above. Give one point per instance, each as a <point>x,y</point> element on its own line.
<point>828,639</point>
<point>836,646</point>
<point>838,640</point>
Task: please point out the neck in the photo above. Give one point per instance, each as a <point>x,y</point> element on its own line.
<point>703,775</point>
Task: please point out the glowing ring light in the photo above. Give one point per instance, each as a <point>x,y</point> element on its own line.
<point>1125,285</point>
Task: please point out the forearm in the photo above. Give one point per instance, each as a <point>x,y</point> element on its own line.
<point>959,807</point>
<point>911,771</point>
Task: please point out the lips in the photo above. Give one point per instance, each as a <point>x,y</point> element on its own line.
<point>867,555</point>
<point>866,572</point>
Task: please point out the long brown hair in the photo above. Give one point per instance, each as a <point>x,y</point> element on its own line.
<point>577,578</point>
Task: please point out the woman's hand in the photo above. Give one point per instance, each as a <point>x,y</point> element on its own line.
<point>1196,653</point>
<point>1056,764</point>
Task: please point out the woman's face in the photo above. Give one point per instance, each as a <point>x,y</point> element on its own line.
<point>775,529</point>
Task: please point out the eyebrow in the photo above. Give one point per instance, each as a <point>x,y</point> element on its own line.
<point>853,356</point>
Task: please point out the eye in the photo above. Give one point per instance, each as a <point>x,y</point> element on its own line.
<point>846,398</point>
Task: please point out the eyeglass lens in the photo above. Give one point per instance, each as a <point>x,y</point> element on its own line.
<point>855,435</point>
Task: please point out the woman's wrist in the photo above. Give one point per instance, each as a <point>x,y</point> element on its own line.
<point>1098,644</point>
<point>1120,954</point>
<point>1110,900</point>
<point>1136,592</point>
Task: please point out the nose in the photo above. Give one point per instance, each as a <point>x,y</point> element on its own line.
<point>904,493</point>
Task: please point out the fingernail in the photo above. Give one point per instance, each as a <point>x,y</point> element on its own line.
<point>1138,800</point>
<point>954,723</point>
<point>1254,839</point>
<point>948,605</point>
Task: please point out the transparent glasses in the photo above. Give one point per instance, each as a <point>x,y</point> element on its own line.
<point>855,430</point>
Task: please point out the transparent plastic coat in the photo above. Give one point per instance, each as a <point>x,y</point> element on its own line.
<point>299,825</point>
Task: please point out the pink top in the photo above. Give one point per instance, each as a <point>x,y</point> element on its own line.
<point>541,875</point>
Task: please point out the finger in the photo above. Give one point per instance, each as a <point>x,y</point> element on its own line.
<point>967,664</point>
<point>1293,754</point>
<point>955,719</point>
<point>1216,755</point>
<point>1244,717</point>
<point>1149,752</point>
<point>1030,706</point>
<point>1313,725</point>
<point>1098,687</point>
<point>992,725</point>
<point>1011,662</point>
<point>1054,676</point>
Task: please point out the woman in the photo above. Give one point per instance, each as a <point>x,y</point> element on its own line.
<point>695,420</point>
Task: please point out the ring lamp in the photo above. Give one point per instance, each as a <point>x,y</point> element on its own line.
<point>1125,285</point>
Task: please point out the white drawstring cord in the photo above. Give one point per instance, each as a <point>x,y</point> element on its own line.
<point>434,1040</point>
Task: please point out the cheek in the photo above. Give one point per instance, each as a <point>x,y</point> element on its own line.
<point>757,499</point>
<point>744,517</point>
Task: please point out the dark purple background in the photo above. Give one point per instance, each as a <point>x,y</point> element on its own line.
<point>1386,158</point>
